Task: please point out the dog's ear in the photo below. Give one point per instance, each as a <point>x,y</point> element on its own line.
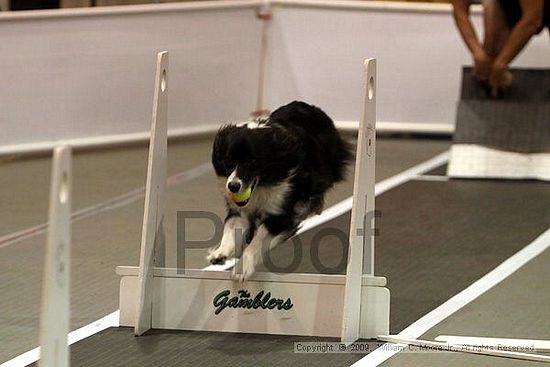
<point>220,147</point>
<point>220,141</point>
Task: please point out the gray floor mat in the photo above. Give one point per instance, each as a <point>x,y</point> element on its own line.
<point>519,121</point>
<point>436,239</point>
<point>102,242</point>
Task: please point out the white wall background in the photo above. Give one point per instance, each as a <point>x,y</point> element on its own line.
<point>80,74</point>
<point>89,75</point>
<point>316,55</point>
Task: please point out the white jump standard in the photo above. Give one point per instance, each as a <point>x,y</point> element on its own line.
<point>350,306</point>
<point>55,310</point>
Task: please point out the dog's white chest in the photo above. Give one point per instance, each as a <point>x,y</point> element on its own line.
<point>268,200</point>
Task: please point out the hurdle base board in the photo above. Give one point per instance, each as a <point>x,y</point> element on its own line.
<point>185,301</point>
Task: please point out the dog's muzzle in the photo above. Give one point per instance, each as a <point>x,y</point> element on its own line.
<point>237,194</point>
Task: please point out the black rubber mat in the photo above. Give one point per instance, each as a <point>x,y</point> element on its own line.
<point>436,238</point>
<point>528,85</point>
<point>119,347</point>
<point>522,127</point>
<point>519,121</point>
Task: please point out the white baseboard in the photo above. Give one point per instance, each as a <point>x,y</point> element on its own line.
<point>105,140</point>
<point>401,127</point>
<point>209,129</point>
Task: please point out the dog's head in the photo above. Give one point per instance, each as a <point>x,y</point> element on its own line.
<point>248,158</point>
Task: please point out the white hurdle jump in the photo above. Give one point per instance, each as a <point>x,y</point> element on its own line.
<point>54,317</point>
<point>351,306</point>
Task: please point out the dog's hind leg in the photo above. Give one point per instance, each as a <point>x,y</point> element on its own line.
<point>262,242</point>
<point>273,231</point>
<point>234,232</point>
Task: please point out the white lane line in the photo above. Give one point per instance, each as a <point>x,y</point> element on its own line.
<point>476,289</point>
<point>444,346</point>
<point>538,345</point>
<point>344,206</point>
<point>381,187</point>
<point>111,320</point>
<point>113,203</point>
<point>431,178</point>
<point>327,215</point>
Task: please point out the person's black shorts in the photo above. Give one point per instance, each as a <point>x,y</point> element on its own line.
<point>512,12</point>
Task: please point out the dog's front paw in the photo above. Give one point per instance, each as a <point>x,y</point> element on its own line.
<point>216,256</point>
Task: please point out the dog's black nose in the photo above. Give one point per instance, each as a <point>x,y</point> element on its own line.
<point>234,186</point>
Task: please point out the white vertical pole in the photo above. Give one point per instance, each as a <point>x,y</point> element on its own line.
<point>264,14</point>
<point>54,316</point>
<point>361,240</point>
<point>4,5</point>
<point>152,236</point>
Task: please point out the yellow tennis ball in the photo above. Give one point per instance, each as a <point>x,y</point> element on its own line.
<point>242,196</point>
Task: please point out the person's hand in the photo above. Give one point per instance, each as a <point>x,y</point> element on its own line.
<point>482,66</point>
<point>500,78</point>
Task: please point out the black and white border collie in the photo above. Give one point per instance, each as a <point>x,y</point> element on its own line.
<point>288,161</point>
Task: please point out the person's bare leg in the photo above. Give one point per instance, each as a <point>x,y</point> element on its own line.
<point>496,30</point>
